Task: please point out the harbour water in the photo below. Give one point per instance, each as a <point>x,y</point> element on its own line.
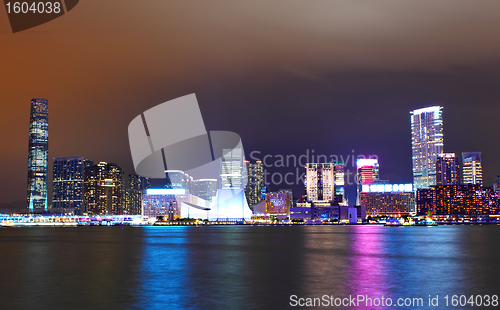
<point>242,267</point>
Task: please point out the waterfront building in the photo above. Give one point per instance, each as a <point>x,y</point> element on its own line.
<point>160,206</point>
<point>367,173</point>
<point>104,189</point>
<point>38,154</point>
<point>320,181</point>
<point>340,181</point>
<point>67,184</point>
<point>324,192</point>
<point>324,210</point>
<point>472,168</point>
<point>173,204</point>
<point>427,144</point>
<point>447,169</point>
<point>302,211</point>
<point>424,201</point>
<point>278,204</point>
<point>352,214</point>
<point>255,182</point>
<point>388,199</point>
<point>460,199</point>
<point>135,187</point>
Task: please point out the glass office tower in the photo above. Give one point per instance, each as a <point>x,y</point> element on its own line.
<point>232,170</point>
<point>67,184</point>
<point>472,168</point>
<point>447,169</point>
<point>427,144</point>
<point>255,182</point>
<point>38,153</point>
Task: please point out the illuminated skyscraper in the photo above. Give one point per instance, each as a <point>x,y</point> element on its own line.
<point>255,182</point>
<point>232,169</point>
<point>134,191</point>
<point>447,169</point>
<point>104,190</point>
<point>368,170</point>
<point>38,153</point>
<point>67,184</point>
<point>472,168</point>
<point>367,173</point>
<point>320,181</point>
<point>427,144</point>
<point>339,181</point>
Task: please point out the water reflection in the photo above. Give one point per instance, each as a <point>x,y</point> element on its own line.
<point>240,266</point>
<point>68,268</point>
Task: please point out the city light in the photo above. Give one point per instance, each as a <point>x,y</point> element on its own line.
<point>166,191</point>
<point>362,162</point>
<point>383,188</point>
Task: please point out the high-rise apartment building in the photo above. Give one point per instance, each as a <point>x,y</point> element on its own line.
<point>447,169</point>
<point>472,172</point>
<point>104,189</point>
<point>38,154</point>
<point>255,182</point>
<point>67,184</point>
<point>134,191</point>
<point>340,181</point>
<point>427,144</point>
<point>320,181</point>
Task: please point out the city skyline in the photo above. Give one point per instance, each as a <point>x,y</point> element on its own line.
<point>269,92</point>
<point>446,167</point>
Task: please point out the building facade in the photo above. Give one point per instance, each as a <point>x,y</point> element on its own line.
<point>135,187</point>
<point>447,169</point>
<point>472,168</point>
<point>367,171</point>
<point>67,184</point>
<point>205,188</point>
<point>388,199</point>
<point>38,156</point>
<point>320,181</point>
<point>460,199</point>
<point>232,170</point>
<point>340,182</point>
<point>104,189</point>
<point>255,182</point>
<point>427,144</point>
<point>278,204</point>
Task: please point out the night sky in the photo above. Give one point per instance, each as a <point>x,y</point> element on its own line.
<point>287,76</point>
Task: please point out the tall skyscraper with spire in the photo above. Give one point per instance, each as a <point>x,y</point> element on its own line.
<point>427,144</point>
<point>38,153</point>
